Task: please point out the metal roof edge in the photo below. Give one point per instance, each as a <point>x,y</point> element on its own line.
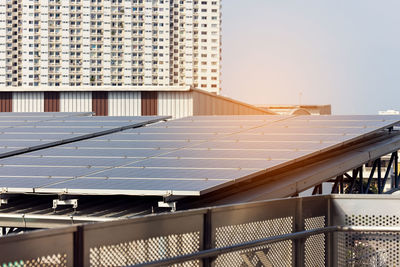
<point>266,112</point>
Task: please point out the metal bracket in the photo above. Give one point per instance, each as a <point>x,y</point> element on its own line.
<point>57,202</point>
<point>172,205</point>
<point>3,201</point>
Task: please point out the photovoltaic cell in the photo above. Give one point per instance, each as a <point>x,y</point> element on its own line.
<point>45,130</point>
<point>25,184</point>
<point>189,156</point>
<point>137,187</point>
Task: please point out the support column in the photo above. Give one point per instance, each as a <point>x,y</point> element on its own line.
<point>396,171</point>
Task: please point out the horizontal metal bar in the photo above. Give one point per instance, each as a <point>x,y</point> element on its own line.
<point>265,241</point>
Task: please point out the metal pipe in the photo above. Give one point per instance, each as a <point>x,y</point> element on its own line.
<point>265,241</point>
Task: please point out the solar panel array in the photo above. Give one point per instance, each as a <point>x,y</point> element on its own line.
<point>21,132</point>
<point>189,156</point>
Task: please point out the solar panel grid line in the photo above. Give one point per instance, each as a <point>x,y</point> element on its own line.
<point>106,192</point>
<point>135,187</point>
<point>101,157</point>
<point>242,158</point>
<point>23,150</point>
<point>244,149</point>
<point>34,118</point>
<point>147,157</point>
<point>35,176</point>
<point>221,143</point>
<point>126,167</point>
<point>52,166</point>
<point>82,136</point>
<point>297,133</point>
<point>120,178</point>
<point>190,168</point>
<point>216,138</point>
<point>117,148</point>
<point>138,178</point>
<point>191,145</point>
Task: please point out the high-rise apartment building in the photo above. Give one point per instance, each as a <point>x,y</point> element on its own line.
<point>83,43</point>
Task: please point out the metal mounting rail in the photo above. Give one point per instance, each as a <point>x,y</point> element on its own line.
<point>265,241</point>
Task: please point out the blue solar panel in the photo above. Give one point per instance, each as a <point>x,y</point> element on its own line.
<point>47,130</point>
<point>172,173</point>
<point>64,161</point>
<point>137,187</point>
<point>221,163</point>
<point>190,156</point>
<point>25,184</point>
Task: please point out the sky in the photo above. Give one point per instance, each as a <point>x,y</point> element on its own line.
<point>339,52</point>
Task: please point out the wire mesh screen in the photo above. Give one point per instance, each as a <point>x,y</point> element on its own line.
<point>315,245</point>
<point>369,249</point>
<point>277,254</point>
<point>140,251</point>
<point>58,260</point>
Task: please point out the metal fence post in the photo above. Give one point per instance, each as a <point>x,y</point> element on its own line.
<point>299,250</point>
<point>207,237</point>
<point>78,247</point>
<point>329,242</point>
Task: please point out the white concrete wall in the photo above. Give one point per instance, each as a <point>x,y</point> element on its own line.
<point>28,102</point>
<point>175,104</point>
<point>124,104</point>
<point>75,101</point>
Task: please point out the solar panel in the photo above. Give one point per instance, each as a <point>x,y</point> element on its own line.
<point>189,156</point>
<point>37,130</point>
<point>137,187</point>
<point>12,119</point>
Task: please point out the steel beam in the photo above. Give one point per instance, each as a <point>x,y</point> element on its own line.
<point>317,190</point>
<point>379,181</point>
<point>396,171</point>
<point>371,175</point>
<point>388,168</point>
<point>360,174</point>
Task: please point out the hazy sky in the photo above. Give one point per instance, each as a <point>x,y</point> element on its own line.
<point>340,52</point>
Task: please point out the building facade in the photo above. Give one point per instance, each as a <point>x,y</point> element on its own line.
<point>102,43</point>
<point>174,101</point>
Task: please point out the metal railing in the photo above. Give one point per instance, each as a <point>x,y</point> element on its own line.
<point>289,232</point>
<point>213,253</point>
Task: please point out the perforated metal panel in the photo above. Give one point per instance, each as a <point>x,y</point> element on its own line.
<point>315,245</point>
<point>59,260</point>
<point>278,254</point>
<point>369,249</point>
<point>140,251</point>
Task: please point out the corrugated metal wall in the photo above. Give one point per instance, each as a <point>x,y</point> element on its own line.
<point>149,103</point>
<point>175,104</point>
<point>100,103</point>
<point>124,104</point>
<point>208,104</point>
<point>76,101</point>
<point>5,102</point>
<point>28,102</point>
<point>51,101</point>
<point>129,103</point>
